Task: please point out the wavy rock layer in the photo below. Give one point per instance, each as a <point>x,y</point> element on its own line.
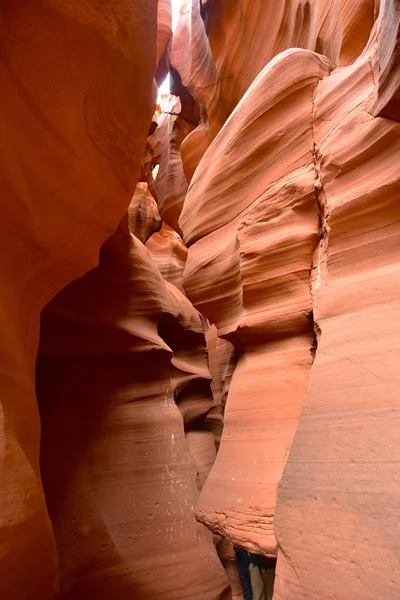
<point>169,254</point>
<point>277,161</point>
<point>386,100</point>
<point>72,135</point>
<point>122,354</point>
<point>222,362</point>
<point>291,220</point>
<point>164,38</point>
<point>255,246</point>
<point>170,185</point>
<point>340,487</point>
<point>220,49</point>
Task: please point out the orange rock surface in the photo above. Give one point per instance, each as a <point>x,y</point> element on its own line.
<point>122,354</point>
<point>169,254</point>
<point>340,489</point>
<point>220,53</point>
<point>291,221</point>
<point>170,184</point>
<point>255,246</point>
<point>76,102</point>
<point>232,353</point>
<point>164,39</point>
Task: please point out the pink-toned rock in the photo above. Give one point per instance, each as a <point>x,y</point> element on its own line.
<point>222,362</point>
<point>144,218</point>
<point>276,158</point>
<point>336,517</point>
<point>191,55</point>
<point>248,250</point>
<point>169,255</point>
<point>386,68</point>
<point>273,287</point>
<point>164,39</point>
<point>228,559</point>
<point>194,145</point>
<point>242,38</point>
<point>117,347</point>
<point>73,131</point>
<point>357,19</point>
<point>170,184</point>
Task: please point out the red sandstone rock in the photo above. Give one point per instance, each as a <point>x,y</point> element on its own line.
<point>144,218</point>
<point>340,487</point>
<point>117,346</point>
<point>192,390</point>
<point>357,19</point>
<point>228,559</point>
<point>164,39</point>
<point>222,362</point>
<point>386,68</point>
<point>169,254</point>
<point>76,102</point>
<point>251,237</point>
<point>292,224</point>
<point>170,185</point>
<point>242,38</point>
<point>256,247</point>
<point>194,145</point>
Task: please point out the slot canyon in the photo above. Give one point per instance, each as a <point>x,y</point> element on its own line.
<point>200,298</point>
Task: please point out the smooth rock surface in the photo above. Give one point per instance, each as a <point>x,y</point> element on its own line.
<point>340,488</point>
<point>169,255</point>
<point>293,254</point>
<point>170,184</point>
<point>248,250</point>
<point>122,357</point>
<point>269,197</point>
<point>219,53</point>
<point>76,102</point>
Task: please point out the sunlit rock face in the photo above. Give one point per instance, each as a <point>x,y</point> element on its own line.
<point>255,232</point>
<point>291,222</point>
<point>164,150</point>
<point>77,111</point>
<point>347,446</point>
<point>218,281</point>
<point>221,49</point>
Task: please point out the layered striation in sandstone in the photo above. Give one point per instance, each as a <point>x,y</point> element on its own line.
<point>269,197</point>
<point>123,390</point>
<point>222,362</point>
<point>336,515</point>
<point>169,255</point>
<point>168,184</point>
<point>76,101</point>
<point>164,39</point>
<point>386,65</point>
<point>219,49</point>
<point>291,221</point>
<point>251,237</point>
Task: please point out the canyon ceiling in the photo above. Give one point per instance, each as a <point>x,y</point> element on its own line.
<point>200,317</point>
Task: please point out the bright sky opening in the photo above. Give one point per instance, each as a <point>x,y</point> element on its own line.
<point>165,87</point>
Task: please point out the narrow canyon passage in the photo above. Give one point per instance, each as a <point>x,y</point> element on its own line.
<point>200,275</point>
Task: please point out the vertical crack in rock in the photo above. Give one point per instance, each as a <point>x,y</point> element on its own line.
<point>324,228</point>
<point>372,72</point>
<point>100,468</point>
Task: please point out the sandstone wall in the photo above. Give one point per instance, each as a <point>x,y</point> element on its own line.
<point>291,222</point>
<point>76,102</point>
<point>255,232</point>
<point>123,390</point>
<point>268,197</point>
<point>340,488</point>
